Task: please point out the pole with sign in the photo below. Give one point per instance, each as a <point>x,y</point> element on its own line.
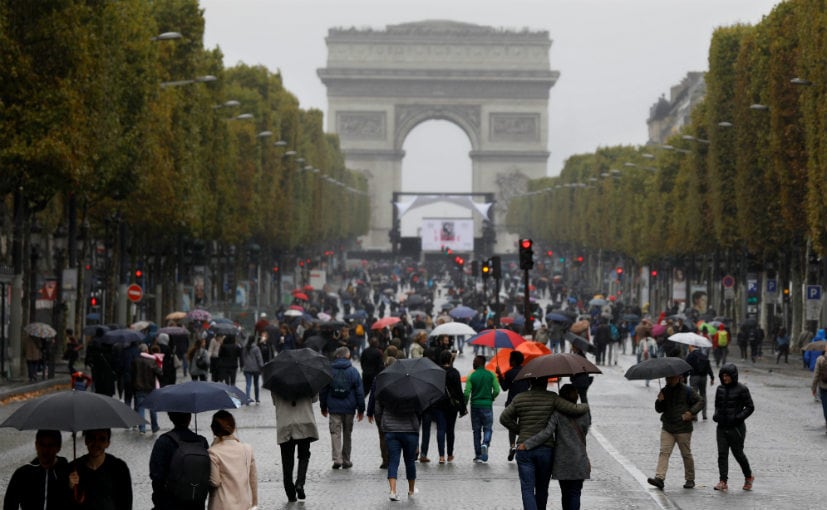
<point>812,302</point>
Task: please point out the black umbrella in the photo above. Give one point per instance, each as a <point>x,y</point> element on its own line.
<point>557,365</point>
<point>579,342</point>
<point>94,330</point>
<point>73,411</point>
<point>316,343</point>
<point>415,300</point>
<point>121,336</point>
<point>655,368</point>
<point>410,385</point>
<point>297,373</point>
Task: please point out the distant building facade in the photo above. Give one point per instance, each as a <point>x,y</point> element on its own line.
<point>668,116</point>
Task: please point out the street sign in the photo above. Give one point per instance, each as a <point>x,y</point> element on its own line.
<point>772,286</point>
<point>728,282</point>
<point>812,302</point>
<point>134,292</point>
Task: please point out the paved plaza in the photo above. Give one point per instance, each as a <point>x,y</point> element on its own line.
<point>786,442</point>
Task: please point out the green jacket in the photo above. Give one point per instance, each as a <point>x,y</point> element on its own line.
<point>677,400</point>
<point>481,388</point>
<point>529,412</point>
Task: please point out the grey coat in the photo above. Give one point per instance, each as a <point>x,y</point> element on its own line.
<point>251,359</point>
<point>295,419</point>
<point>571,460</point>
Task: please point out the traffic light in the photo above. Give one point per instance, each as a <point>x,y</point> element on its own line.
<point>578,261</point>
<point>138,274</point>
<point>93,302</point>
<point>619,272</point>
<point>786,293</point>
<point>496,267</point>
<point>485,269</point>
<point>653,273</point>
<point>526,254</point>
<point>752,297</point>
<point>550,253</point>
<point>460,262</point>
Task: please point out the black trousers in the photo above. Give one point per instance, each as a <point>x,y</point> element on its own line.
<point>288,454</point>
<point>732,438</point>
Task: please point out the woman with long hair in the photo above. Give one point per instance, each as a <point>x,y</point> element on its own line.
<point>199,360</point>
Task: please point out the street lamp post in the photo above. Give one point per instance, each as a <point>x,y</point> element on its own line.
<point>58,315</point>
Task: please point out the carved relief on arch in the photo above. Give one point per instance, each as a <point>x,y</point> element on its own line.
<point>510,183</point>
<point>467,117</point>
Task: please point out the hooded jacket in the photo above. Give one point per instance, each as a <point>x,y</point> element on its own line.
<point>733,402</point>
<point>355,400</point>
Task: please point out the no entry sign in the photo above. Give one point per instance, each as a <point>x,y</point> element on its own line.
<point>134,292</point>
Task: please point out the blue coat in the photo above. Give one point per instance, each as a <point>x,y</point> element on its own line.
<point>355,400</point>
<point>811,356</point>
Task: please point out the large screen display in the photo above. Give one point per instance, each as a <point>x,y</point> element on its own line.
<point>454,233</point>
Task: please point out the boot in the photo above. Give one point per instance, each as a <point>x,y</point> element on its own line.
<point>301,476</point>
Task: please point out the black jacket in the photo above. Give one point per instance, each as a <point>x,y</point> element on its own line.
<point>733,402</point>
<point>30,484</point>
<point>159,462</point>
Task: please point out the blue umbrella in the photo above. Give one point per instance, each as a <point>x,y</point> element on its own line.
<point>195,397</point>
<point>557,317</point>
<point>462,312</point>
<point>121,336</point>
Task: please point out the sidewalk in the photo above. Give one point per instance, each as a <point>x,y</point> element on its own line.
<point>14,389</point>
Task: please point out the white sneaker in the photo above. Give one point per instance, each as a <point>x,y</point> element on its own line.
<point>393,496</point>
<point>415,491</point>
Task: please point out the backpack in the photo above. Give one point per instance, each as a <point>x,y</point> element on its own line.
<point>340,385</point>
<point>614,332</point>
<point>723,338</point>
<point>202,360</point>
<point>189,471</point>
<point>360,330</point>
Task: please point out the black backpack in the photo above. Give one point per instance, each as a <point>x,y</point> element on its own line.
<point>340,385</point>
<point>188,478</point>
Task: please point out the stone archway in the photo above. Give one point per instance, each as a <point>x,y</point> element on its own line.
<point>492,83</point>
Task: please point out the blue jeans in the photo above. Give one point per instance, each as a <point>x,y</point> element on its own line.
<point>252,378</point>
<point>140,396</point>
<point>482,421</point>
<point>823,394</point>
<point>534,468</point>
<point>400,443</point>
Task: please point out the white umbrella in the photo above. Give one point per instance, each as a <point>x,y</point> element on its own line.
<point>453,329</point>
<point>691,339</point>
<point>293,313</point>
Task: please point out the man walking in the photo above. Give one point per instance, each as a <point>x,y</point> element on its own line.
<point>701,369</point>
<point>528,415</point>
<point>481,388</point>
<point>677,404</point>
<point>145,374</point>
<point>160,461</point>
<point>44,482</point>
<point>341,399</point>
<point>733,405</point>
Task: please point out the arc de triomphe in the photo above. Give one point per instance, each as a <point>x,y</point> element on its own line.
<point>492,83</point>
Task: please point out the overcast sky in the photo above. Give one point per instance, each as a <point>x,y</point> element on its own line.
<point>615,58</point>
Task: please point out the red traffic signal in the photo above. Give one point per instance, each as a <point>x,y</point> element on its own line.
<point>93,302</point>
<point>526,254</point>
<point>275,269</point>
<point>654,272</point>
<point>550,253</point>
<point>138,273</point>
<point>619,270</point>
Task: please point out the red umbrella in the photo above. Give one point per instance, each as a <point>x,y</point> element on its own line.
<point>385,322</point>
<point>505,321</point>
<point>497,338</point>
<point>295,307</point>
<point>300,295</point>
<point>308,288</point>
